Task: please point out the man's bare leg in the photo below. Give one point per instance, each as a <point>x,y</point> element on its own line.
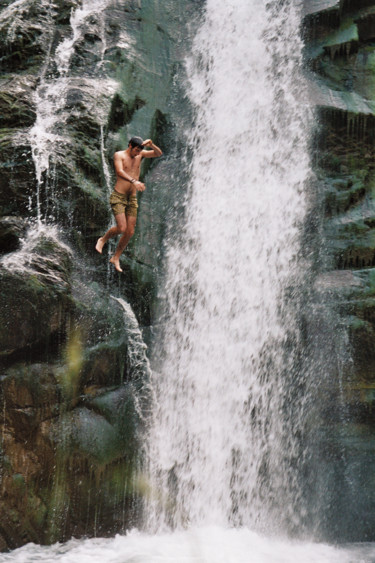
<point>123,242</point>
<point>120,228</point>
<point>99,245</point>
<point>112,232</point>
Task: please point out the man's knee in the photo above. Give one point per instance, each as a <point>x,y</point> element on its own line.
<point>122,229</point>
<point>130,226</point>
<point>130,230</point>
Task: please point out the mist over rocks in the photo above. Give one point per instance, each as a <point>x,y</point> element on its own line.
<point>78,80</point>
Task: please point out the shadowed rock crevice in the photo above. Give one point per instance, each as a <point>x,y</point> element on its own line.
<point>122,111</point>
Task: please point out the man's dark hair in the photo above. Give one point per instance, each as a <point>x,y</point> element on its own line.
<point>136,142</point>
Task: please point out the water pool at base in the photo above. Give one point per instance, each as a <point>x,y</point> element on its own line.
<point>203,545</point>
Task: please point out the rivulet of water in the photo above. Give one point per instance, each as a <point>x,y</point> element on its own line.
<point>225,442</point>
<point>139,364</point>
<point>48,136</point>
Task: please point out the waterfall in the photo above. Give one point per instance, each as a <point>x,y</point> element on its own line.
<point>225,429</point>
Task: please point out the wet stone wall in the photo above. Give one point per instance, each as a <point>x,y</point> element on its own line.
<point>340,55</point>
<point>78,79</point>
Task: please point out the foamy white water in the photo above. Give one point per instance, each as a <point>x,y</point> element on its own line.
<point>207,545</point>
<point>222,442</point>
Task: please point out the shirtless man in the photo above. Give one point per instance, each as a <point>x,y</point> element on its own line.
<point>123,199</point>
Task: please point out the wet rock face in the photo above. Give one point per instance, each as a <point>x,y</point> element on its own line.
<point>24,46</point>
<point>71,400</point>
<point>37,309</point>
<point>73,397</point>
<point>340,52</point>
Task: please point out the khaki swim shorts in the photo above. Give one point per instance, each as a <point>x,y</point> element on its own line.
<point>123,203</point>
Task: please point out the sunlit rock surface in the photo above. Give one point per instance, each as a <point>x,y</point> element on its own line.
<point>74,371</point>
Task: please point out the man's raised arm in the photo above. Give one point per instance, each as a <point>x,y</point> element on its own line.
<point>154,152</point>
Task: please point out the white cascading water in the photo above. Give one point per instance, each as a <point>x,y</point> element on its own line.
<point>220,430</point>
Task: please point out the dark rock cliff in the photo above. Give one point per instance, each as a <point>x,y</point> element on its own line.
<point>340,55</point>
<point>76,83</point>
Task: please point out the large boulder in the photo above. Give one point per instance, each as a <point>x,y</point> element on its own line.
<point>40,271</point>
<point>71,434</point>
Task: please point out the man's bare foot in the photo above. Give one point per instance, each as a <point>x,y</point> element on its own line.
<point>116,263</point>
<point>99,245</point>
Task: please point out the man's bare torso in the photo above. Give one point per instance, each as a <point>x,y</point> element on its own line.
<point>132,167</point>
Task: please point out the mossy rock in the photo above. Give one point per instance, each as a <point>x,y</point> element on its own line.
<point>362,337</point>
<point>89,435</point>
<point>366,24</point>
<point>104,332</point>
<point>341,196</point>
<point>97,315</point>
<point>24,520</point>
<point>17,108</point>
<point>41,273</point>
<point>339,74</point>
<point>32,395</point>
<point>105,364</point>
<point>329,36</point>
<point>349,102</point>
<point>319,17</point>
<point>64,10</point>
<point>122,110</point>
<point>82,200</point>
<point>351,240</point>
<point>121,408</point>
<point>140,289</point>
<point>88,104</point>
